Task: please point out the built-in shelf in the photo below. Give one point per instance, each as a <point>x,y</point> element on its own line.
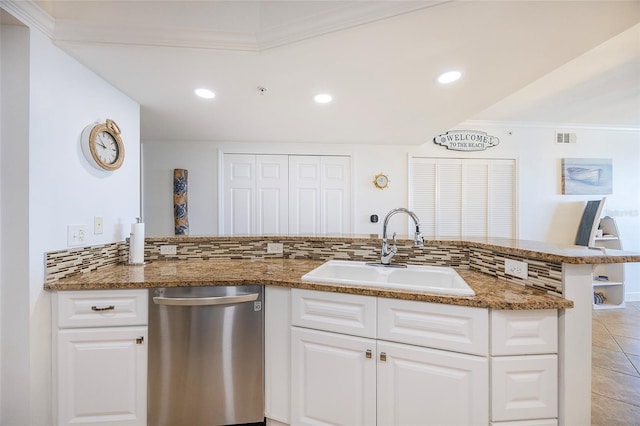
<point>613,287</point>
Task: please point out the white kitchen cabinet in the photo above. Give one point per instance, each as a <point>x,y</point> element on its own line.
<point>608,278</point>
<point>340,377</point>
<point>100,357</point>
<point>524,387</point>
<point>434,364</point>
<point>437,325</point>
<point>333,379</point>
<point>338,312</point>
<point>423,386</point>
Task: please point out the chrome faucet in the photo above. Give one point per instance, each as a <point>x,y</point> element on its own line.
<point>388,252</point>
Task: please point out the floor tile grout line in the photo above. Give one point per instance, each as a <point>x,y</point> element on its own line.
<point>614,399</point>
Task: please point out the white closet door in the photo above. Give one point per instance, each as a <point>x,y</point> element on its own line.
<point>335,187</point>
<point>449,196</point>
<point>304,194</point>
<point>502,198</point>
<point>464,197</point>
<point>423,190</point>
<point>475,196</point>
<point>239,194</point>
<point>272,183</point>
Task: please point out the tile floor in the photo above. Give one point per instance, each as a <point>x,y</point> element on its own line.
<point>615,376</point>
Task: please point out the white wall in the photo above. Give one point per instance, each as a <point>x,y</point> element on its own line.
<point>544,214</point>
<point>62,189</point>
<point>14,216</point>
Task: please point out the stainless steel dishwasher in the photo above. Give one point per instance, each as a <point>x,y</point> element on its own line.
<point>206,356</point>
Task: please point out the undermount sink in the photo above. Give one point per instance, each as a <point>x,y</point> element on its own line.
<point>431,279</point>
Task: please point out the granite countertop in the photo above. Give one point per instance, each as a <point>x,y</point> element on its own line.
<point>491,292</point>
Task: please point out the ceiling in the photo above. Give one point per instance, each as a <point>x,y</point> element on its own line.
<point>544,61</point>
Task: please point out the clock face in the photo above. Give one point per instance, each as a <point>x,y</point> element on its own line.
<point>381,181</point>
<point>106,147</point>
<point>102,145</point>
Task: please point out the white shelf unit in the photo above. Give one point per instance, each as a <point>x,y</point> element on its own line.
<point>613,285</point>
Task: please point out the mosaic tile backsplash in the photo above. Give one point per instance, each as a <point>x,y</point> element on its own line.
<point>542,275</point>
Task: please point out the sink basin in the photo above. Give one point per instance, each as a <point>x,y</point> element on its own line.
<point>431,279</point>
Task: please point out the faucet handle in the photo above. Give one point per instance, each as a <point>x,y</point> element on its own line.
<point>394,239</point>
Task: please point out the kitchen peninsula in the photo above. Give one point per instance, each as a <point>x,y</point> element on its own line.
<point>559,278</point>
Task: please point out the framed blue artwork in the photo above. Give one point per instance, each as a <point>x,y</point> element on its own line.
<point>587,176</point>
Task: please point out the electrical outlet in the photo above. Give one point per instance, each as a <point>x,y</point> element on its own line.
<point>76,235</point>
<point>275,248</point>
<point>168,249</point>
<point>516,268</point>
<point>98,225</point>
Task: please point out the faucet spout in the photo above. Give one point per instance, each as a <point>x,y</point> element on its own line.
<point>388,252</point>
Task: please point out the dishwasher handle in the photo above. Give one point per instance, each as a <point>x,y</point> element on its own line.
<point>205,301</point>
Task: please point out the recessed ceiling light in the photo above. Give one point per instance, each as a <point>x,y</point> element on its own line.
<point>449,77</point>
<point>205,93</point>
<point>323,98</point>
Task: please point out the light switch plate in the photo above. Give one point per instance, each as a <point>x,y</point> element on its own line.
<point>516,268</point>
<point>98,225</point>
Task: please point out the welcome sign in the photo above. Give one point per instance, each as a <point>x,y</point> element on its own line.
<point>466,140</point>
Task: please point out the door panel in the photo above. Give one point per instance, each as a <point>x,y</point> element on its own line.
<point>333,381</point>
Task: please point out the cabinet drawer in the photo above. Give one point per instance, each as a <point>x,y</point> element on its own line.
<point>524,332</point>
<point>537,422</point>
<point>524,387</point>
<point>434,325</point>
<point>100,308</point>
<point>337,312</point>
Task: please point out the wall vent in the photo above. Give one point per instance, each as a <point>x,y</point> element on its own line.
<point>566,137</point>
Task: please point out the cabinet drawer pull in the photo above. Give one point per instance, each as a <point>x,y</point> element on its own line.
<point>383,356</point>
<point>368,354</point>
<point>139,340</point>
<point>106,308</point>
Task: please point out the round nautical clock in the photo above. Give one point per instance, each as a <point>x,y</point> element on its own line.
<point>102,145</point>
<point>381,181</point>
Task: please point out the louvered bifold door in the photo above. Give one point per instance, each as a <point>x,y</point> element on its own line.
<point>423,194</point>
<point>449,198</point>
<point>475,198</point>
<point>464,197</point>
<point>502,198</point>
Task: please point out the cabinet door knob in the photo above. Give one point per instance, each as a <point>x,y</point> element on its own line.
<point>139,340</point>
<point>383,356</point>
<point>368,354</point>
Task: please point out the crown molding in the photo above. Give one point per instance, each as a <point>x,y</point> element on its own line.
<point>552,125</point>
<point>69,32</point>
<point>77,33</point>
<point>30,14</point>
<point>350,15</point>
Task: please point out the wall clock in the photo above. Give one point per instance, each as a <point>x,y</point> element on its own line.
<point>102,145</point>
<point>381,181</point>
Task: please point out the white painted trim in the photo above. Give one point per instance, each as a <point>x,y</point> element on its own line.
<point>30,14</point>
<point>632,296</point>
<point>349,16</point>
<point>549,125</point>
<point>574,350</point>
<point>71,32</point>
<point>221,229</point>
